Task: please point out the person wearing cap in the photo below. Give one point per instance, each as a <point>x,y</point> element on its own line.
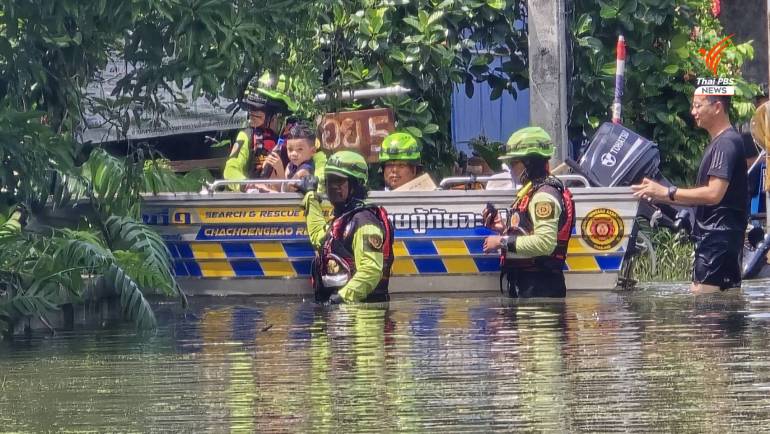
<point>255,142</point>
<point>355,249</point>
<point>400,159</point>
<point>533,242</point>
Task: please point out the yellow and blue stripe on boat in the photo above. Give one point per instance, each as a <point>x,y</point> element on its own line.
<point>292,258</point>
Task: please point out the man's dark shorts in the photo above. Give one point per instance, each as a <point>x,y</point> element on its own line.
<point>718,259</point>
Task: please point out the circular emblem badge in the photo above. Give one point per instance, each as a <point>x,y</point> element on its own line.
<point>602,229</point>
<point>544,210</point>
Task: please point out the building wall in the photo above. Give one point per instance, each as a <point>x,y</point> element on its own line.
<point>477,116</point>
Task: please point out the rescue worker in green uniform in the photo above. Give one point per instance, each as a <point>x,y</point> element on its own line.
<point>354,250</point>
<point>400,158</point>
<point>533,242</point>
<point>253,144</point>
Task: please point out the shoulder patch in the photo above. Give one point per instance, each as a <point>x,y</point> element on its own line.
<point>373,242</point>
<point>544,210</point>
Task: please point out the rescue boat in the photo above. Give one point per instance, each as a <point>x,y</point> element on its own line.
<point>232,243</point>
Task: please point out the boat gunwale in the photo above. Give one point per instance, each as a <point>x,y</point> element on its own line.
<point>458,197</point>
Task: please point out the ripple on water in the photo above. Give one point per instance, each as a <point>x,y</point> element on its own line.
<point>655,359</point>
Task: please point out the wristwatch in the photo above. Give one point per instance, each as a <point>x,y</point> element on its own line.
<point>671,192</point>
<point>504,242</point>
<point>508,243</point>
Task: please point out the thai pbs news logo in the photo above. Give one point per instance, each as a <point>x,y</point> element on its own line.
<point>716,85</point>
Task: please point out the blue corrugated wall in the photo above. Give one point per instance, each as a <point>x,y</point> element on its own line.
<point>497,120</point>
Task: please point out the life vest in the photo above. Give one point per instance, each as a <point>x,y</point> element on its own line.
<point>519,216</point>
<point>335,264</point>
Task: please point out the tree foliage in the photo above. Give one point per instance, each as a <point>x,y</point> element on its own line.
<point>108,253</point>
<point>216,47</point>
<point>430,47</point>
<point>663,38</point>
<point>41,271</point>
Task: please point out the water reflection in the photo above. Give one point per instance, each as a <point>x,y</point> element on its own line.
<point>653,360</point>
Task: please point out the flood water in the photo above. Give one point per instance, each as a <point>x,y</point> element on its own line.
<point>651,360</point>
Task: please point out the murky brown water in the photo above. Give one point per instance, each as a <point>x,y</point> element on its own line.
<point>653,360</point>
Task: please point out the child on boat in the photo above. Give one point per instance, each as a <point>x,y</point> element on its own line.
<point>300,147</point>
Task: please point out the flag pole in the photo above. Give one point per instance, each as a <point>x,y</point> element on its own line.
<point>620,68</point>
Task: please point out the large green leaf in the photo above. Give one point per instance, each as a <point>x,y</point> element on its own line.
<point>18,307</point>
<point>115,282</point>
<point>584,25</point>
<point>124,233</point>
<point>608,10</point>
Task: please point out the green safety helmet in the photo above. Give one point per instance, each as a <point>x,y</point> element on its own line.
<point>528,142</point>
<point>257,98</point>
<point>401,147</point>
<point>348,164</point>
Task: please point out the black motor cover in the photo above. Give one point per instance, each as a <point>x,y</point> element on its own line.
<point>618,156</point>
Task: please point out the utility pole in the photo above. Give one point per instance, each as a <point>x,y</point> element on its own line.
<point>547,29</point>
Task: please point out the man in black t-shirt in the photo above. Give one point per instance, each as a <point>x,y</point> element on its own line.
<point>720,198</point>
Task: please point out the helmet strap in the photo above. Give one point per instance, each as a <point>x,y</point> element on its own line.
<point>535,169</point>
<point>269,115</point>
<point>524,177</point>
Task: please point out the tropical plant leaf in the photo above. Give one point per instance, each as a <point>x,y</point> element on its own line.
<point>488,151</point>
<point>10,225</point>
<point>127,234</point>
<point>158,177</point>
<point>135,265</point>
<point>15,308</point>
<point>69,189</point>
<point>115,282</point>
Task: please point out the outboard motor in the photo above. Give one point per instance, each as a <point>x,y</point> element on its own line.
<point>618,157</point>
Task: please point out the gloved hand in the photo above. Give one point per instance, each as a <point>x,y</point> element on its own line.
<point>488,215</point>
<point>307,183</point>
<point>334,299</point>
